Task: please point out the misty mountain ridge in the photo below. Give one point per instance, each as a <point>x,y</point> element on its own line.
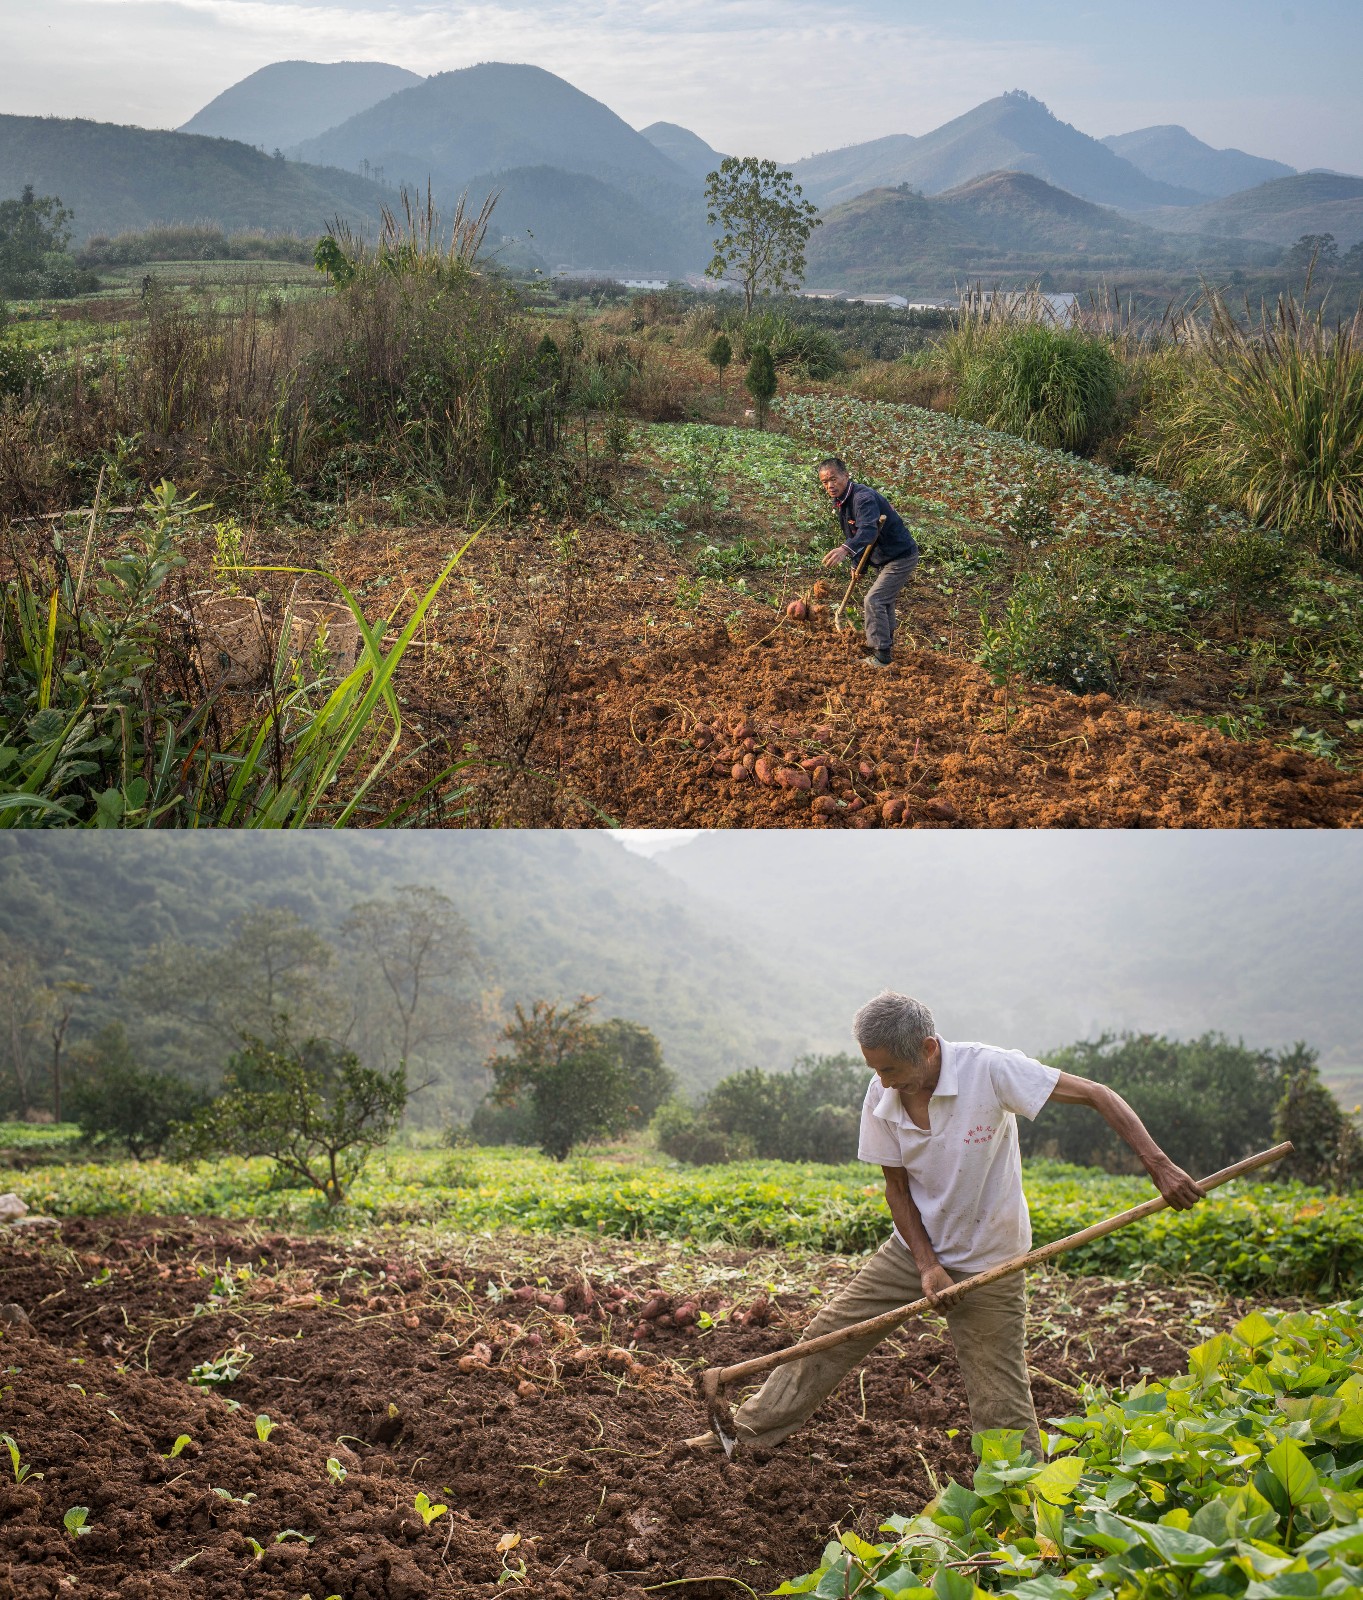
<point>1004,224</point>
<point>1014,133</point>
<point>491,118</point>
<point>1170,154</point>
<point>688,150</point>
<point>289,101</point>
<point>1033,942</point>
<point>1279,212</point>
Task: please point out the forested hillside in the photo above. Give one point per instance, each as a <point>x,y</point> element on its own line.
<point>114,178</point>
<point>551,915</point>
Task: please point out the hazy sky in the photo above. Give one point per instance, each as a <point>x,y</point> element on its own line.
<point>769,77</point>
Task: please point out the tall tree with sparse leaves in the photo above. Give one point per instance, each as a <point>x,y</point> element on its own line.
<point>575,1078</point>
<point>764,225</point>
<point>311,1108</point>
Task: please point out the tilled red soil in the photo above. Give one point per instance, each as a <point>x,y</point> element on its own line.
<point>791,729</point>
<point>545,1413</point>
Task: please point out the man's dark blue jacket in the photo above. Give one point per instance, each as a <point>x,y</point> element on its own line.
<point>859,511</point>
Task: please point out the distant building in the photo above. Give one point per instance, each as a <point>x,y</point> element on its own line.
<point>1062,309</point>
<point>897,302</point>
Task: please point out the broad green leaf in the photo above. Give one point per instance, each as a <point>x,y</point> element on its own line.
<point>1255,1330</point>
<point>1287,1583</point>
<point>1288,1463</point>
<point>1145,1404</point>
<point>867,1554</point>
<point>1334,1542</point>
<point>1204,1360</point>
<point>1058,1479</point>
<point>1173,1544</point>
<point>949,1585</point>
<point>799,1585</point>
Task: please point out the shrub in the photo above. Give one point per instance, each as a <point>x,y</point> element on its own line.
<point>1050,632</point>
<point>1326,1141</point>
<point>313,1109</point>
<point>811,1113</point>
<point>789,343</point>
<point>567,1079</point>
<point>760,382</point>
<point>1207,1102</point>
<point>689,1138</point>
<point>1267,415</point>
<point>905,383</point>
<point>720,353</point>
<point>117,1103</point>
<point>1056,387</point>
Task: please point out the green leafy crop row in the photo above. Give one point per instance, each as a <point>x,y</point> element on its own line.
<point>1283,1238</point>
<point>1241,1478</point>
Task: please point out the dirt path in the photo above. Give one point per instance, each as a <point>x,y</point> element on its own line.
<point>731,731</point>
<point>542,1408</point>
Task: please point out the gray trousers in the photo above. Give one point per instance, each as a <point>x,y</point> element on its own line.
<point>880,601</point>
<point>988,1329</point>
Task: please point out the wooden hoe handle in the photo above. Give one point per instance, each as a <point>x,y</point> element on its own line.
<point>715,1380</point>
<point>861,565</point>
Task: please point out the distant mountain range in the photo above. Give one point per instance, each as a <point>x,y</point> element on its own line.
<point>1013,133</point>
<point>1170,154</point>
<point>283,104</point>
<point>1011,189</point>
<point>1279,212</point>
<point>1037,942</point>
<point>688,150</point>
<point>491,118</point>
<point>1005,225</point>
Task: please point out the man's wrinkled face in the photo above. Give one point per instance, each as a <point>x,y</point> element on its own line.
<point>834,482</point>
<point>896,1073</point>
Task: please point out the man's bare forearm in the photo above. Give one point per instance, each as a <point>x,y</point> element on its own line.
<point>1173,1183</point>
<point>934,1276</point>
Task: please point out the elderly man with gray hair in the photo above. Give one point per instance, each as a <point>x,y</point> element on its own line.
<point>940,1120</point>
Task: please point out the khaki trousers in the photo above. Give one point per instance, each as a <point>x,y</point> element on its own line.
<point>988,1329</point>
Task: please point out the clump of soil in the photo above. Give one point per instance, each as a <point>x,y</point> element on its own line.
<point>545,1414</point>
<point>791,729</point>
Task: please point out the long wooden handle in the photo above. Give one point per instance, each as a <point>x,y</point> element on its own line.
<point>861,565</point>
<point>891,1319</point>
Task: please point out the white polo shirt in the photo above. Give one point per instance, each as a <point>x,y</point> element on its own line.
<point>965,1171</point>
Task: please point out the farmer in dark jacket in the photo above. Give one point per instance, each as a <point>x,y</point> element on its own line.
<point>894,556</point>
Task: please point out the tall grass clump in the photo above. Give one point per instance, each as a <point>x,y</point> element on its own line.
<point>1266,413</point>
<point>1056,387</point>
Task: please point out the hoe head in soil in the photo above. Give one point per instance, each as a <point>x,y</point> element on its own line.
<point>713,1381</point>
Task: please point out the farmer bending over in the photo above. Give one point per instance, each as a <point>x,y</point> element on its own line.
<point>893,558</point>
<point>940,1120</point>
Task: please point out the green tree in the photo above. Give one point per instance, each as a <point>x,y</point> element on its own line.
<point>412,956</point>
<point>1319,250</point>
<point>577,1077</point>
<point>811,1113</point>
<point>720,353</point>
<point>760,382</point>
<point>636,1049</point>
<point>116,1102</point>
<point>207,997</point>
<point>764,225</point>
<point>313,1109</point>
<point>1325,1138</point>
<point>34,235</point>
<point>1207,1102</point>
<point>328,257</point>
